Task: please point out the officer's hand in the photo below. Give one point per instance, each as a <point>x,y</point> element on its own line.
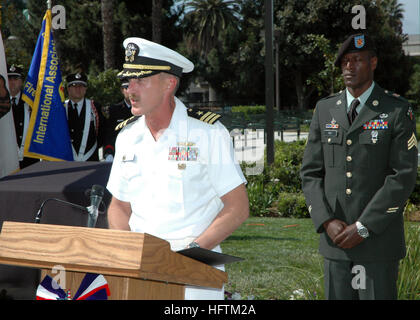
<point>349,238</point>
<point>334,227</point>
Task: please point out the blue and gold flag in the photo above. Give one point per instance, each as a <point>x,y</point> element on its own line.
<point>48,135</point>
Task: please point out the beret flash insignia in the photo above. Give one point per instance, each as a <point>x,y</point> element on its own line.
<point>359,41</point>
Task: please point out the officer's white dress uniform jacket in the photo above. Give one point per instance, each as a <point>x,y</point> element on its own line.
<point>174,184</point>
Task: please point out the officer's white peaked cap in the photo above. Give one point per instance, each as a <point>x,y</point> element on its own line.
<point>144,58</point>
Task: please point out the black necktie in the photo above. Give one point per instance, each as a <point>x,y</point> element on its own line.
<point>13,102</point>
<point>75,109</point>
<point>352,114</point>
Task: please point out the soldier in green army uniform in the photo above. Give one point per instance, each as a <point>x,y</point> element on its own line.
<point>358,170</point>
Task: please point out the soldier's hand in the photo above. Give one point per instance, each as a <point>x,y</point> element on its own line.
<point>334,227</point>
<point>348,238</point>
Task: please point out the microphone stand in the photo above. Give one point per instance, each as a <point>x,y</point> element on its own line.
<point>39,213</point>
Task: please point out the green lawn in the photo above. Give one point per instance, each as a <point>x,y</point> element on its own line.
<point>281,256</point>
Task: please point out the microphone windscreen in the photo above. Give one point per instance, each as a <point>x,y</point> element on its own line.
<point>97,190</point>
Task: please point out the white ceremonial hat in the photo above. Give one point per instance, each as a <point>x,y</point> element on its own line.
<point>144,58</point>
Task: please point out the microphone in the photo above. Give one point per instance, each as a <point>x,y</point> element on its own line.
<point>39,213</point>
<point>96,194</point>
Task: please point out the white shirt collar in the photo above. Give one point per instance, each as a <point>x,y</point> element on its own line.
<point>362,98</point>
<point>16,96</point>
<point>177,128</point>
<point>79,105</point>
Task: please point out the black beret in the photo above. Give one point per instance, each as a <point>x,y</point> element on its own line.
<point>354,43</point>
<point>76,78</point>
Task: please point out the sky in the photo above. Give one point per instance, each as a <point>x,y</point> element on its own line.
<point>411,21</point>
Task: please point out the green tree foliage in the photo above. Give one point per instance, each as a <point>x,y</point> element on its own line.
<point>207,21</point>
<point>225,40</point>
<point>303,24</point>
<point>309,35</point>
<point>80,45</point>
<point>105,87</point>
<point>232,62</point>
<point>414,92</point>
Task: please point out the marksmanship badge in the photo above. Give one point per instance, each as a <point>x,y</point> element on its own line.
<point>374,135</point>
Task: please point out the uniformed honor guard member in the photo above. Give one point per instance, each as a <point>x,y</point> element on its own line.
<point>358,170</point>
<point>117,114</point>
<point>5,103</point>
<point>21,113</point>
<point>174,174</point>
<point>85,119</point>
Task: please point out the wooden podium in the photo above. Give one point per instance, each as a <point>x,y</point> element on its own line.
<point>135,265</point>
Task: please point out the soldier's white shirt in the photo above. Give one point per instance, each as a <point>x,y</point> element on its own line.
<point>174,184</point>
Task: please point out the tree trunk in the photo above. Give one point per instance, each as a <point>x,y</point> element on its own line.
<point>303,93</point>
<point>299,89</point>
<point>108,33</point>
<point>157,21</point>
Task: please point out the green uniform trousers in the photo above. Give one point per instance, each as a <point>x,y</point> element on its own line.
<point>350,280</point>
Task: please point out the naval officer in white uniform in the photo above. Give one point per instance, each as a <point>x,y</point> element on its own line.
<point>174,174</point>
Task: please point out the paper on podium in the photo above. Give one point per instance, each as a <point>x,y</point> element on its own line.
<point>209,257</point>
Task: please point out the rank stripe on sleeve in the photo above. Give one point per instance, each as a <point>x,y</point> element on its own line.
<point>412,142</point>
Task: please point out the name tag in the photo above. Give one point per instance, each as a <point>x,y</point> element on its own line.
<point>331,133</point>
<point>128,157</point>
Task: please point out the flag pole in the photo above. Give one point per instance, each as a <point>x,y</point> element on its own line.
<point>49,4</point>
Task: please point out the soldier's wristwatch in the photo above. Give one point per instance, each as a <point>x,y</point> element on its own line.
<point>362,230</point>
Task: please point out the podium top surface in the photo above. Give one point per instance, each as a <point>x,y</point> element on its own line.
<point>112,252</point>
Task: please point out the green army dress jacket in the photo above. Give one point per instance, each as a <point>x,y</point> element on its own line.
<point>362,172</point>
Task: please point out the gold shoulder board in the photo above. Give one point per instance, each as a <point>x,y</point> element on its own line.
<point>126,122</point>
<point>206,116</point>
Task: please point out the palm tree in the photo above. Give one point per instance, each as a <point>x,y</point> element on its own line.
<point>206,19</point>
<point>395,13</point>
